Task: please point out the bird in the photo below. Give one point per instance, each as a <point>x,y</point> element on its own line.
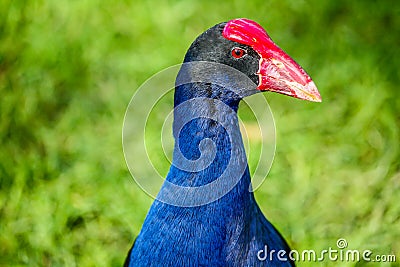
<point>204,214</point>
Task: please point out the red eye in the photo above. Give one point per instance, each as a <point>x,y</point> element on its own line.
<point>238,52</point>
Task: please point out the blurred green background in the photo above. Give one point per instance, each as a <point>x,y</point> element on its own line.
<point>69,68</point>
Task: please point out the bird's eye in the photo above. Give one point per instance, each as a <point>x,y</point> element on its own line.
<point>238,52</point>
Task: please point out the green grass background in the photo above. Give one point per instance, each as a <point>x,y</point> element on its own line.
<point>69,68</point>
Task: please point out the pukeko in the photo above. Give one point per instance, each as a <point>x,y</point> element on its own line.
<point>183,228</point>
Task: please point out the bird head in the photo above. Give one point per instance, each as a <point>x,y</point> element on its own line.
<point>244,45</point>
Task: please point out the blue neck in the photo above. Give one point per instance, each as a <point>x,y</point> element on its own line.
<point>227,231</point>
<point>208,143</point>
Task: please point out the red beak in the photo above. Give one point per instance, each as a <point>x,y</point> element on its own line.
<point>277,71</point>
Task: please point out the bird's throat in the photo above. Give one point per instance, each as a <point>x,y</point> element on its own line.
<point>208,144</point>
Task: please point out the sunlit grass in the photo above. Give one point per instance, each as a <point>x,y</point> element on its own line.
<point>69,68</point>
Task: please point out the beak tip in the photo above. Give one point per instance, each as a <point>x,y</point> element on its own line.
<point>312,92</point>
<point>316,98</point>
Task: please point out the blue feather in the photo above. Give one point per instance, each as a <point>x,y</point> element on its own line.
<point>226,232</point>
